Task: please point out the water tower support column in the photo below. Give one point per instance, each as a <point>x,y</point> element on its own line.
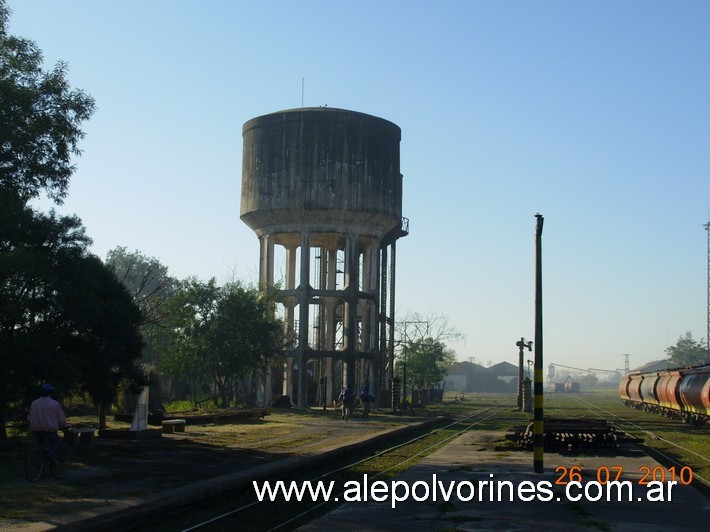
<point>304,290</point>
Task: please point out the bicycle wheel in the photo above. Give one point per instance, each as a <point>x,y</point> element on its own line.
<point>63,463</point>
<point>34,463</point>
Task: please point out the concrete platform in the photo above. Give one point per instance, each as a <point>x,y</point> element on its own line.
<point>129,512</point>
<point>472,458</point>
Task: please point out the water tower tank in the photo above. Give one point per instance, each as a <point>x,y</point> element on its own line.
<point>321,169</point>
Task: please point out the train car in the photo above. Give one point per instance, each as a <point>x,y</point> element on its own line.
<point>668,393</point>
<point>649,397</point>
<point>634,389</point>
<point>683,393</point>
<point>694,391</point>
<point>624,389</point>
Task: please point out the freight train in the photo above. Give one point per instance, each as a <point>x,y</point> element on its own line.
<point>682,393</point>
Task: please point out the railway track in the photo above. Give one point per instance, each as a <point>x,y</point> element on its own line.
<point>243,509</point>
<point>630,427</point>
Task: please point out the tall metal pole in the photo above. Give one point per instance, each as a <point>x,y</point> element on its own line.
<point>404,373</point>
<point>538,429</point>
<point>707,228</point>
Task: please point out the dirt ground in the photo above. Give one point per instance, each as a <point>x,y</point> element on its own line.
<point>107,472</point>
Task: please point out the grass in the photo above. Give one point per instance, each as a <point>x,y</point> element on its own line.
<point>134,468</point>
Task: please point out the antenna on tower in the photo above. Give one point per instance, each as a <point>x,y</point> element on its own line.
<point>303,84</point>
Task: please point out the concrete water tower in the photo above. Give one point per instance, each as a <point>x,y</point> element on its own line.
<point>322,190</point>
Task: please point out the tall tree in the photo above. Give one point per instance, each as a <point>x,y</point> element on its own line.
<point>98,331</point>
<point>150,286</point>
<point>225,333</point>
<point>243,336</point>
<point>32,245</point>
<point>63,315</point>
<point>688,352</point>
<point>428,362</point>
<point>193,305</point>
<point>40,119</point>
<point>416,326</point>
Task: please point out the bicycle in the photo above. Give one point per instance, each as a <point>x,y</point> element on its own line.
<point>38,459</point>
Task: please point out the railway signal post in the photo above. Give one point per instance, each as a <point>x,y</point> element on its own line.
<point>521,350</point>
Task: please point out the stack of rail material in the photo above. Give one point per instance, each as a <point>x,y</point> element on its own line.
<point>570,435</point>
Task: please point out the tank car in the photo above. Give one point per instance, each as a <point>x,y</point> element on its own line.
<point>624,389</point>
<point>648,391</point>
<point>667,389</point>
<point>694,392</point>
<point>682,393</point>
<point>634,389</point>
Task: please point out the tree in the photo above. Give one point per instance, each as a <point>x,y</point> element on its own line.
<point>98,332</point>
<point>415,326</point>
<point>192,306</point>
<point>32,246</point>
<point>40,119</point>
<point>226,333</point>
<point>150,286</point>
<point>146,279</point>
<point>428,362</point>
<point>419,335</point>
<point>688,352</point>
<point>64,317</point>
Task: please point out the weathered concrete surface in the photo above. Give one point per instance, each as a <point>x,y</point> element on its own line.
<point>319,170</point>
<point>127,511</point>
<point>472,458</point>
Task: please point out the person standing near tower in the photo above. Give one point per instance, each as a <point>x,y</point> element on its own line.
<point>347,396</point>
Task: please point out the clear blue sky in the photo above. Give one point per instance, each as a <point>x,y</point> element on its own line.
<point>594,113</point>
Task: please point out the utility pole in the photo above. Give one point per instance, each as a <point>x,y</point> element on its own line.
<point>521,349</point>
<point>707,336</point>
<point>538,429</point>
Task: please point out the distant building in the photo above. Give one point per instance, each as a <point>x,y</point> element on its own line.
<point>456,382</point>
<point>471,377</point>
<point>658,365</point>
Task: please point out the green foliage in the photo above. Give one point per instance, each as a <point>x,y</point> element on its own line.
<point>33,248</point>
<point>40,119</point>
<point>224,333</point>
<point>64,317</point>
<point>428,362</point>
<point>191,307</point>
<point>150,286</point>
<point>179,407</point>
<point>688,352</point>
<point>146,279</point>
<point>99,330</point>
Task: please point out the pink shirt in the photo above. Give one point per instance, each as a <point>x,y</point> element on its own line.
<point>46,414</point>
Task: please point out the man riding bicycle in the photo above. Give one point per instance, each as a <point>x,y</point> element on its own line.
<point>46,417</point>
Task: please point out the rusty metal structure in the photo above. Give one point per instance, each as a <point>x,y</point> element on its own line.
<point>322,190</point>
